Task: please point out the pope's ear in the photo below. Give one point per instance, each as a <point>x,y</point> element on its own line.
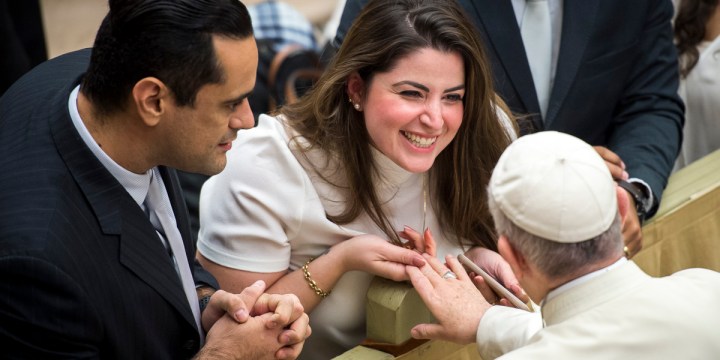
<point>623,202</point>
<point>150,98</point>
<point>515,259</point>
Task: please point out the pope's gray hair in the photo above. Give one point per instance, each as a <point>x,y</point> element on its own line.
<point>556,259</point>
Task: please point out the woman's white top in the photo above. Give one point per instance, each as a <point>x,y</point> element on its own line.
<point>701,93</point>
<point>266,213</point>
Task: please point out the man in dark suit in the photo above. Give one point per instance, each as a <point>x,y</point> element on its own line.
<point>22,40</point>
<point>613,84</point>
<point>95,245</point>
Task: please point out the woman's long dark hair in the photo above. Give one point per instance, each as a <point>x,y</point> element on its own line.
<point>385,32</point>
<point>690,22</point>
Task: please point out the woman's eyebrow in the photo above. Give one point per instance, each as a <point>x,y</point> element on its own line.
<point>425,88</point>
<point>455,88</point>
<point>414,84</point>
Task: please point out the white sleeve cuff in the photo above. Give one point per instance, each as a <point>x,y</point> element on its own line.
<point>503,329</point>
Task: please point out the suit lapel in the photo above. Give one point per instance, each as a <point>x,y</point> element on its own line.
<point>117,213</point>
<point>578,23</point>
<point>503,34</point>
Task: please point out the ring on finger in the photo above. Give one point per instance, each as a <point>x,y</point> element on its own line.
<point>449,275</point>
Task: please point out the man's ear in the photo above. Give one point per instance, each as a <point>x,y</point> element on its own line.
<point>355,88</point>
<point>623,202</point>
<point>150,98</point>
<point>515,259</point>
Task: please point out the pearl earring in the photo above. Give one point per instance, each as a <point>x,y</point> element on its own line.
<point>357,107</point>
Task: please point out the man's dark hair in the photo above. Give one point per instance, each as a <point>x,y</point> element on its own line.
<point>167,39</point>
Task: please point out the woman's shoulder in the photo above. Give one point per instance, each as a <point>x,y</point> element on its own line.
<point>278,130</point>
<point>266,126</point>
<point>270,136</point>
<point>262,149</point>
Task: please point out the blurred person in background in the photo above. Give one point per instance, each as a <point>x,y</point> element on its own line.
<point>697,37</point>
<point>22,39</point>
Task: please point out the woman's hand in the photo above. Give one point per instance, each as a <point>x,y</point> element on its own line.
<point>375,255</point>
<point>424,243</point>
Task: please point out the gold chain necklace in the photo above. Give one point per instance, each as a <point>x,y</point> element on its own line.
<point>422,233</point>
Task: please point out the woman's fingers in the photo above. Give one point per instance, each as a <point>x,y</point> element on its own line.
<point>430,245</point>
<point>423,243</point>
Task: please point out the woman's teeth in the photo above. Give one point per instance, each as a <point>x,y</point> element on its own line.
<point>419,141</point>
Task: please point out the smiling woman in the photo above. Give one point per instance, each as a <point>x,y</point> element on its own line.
<point>400,133</point>
<point>413,111</point>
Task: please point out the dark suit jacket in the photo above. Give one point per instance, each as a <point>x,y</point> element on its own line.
<point>82,272</point>
<point>616,80</point>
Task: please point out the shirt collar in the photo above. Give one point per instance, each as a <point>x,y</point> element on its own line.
<point>136,185</point>
<point>581,280</point>
<point>391,174</point>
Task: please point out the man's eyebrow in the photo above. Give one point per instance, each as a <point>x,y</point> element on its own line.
<point>425,88</point>
<point>238,99</point>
